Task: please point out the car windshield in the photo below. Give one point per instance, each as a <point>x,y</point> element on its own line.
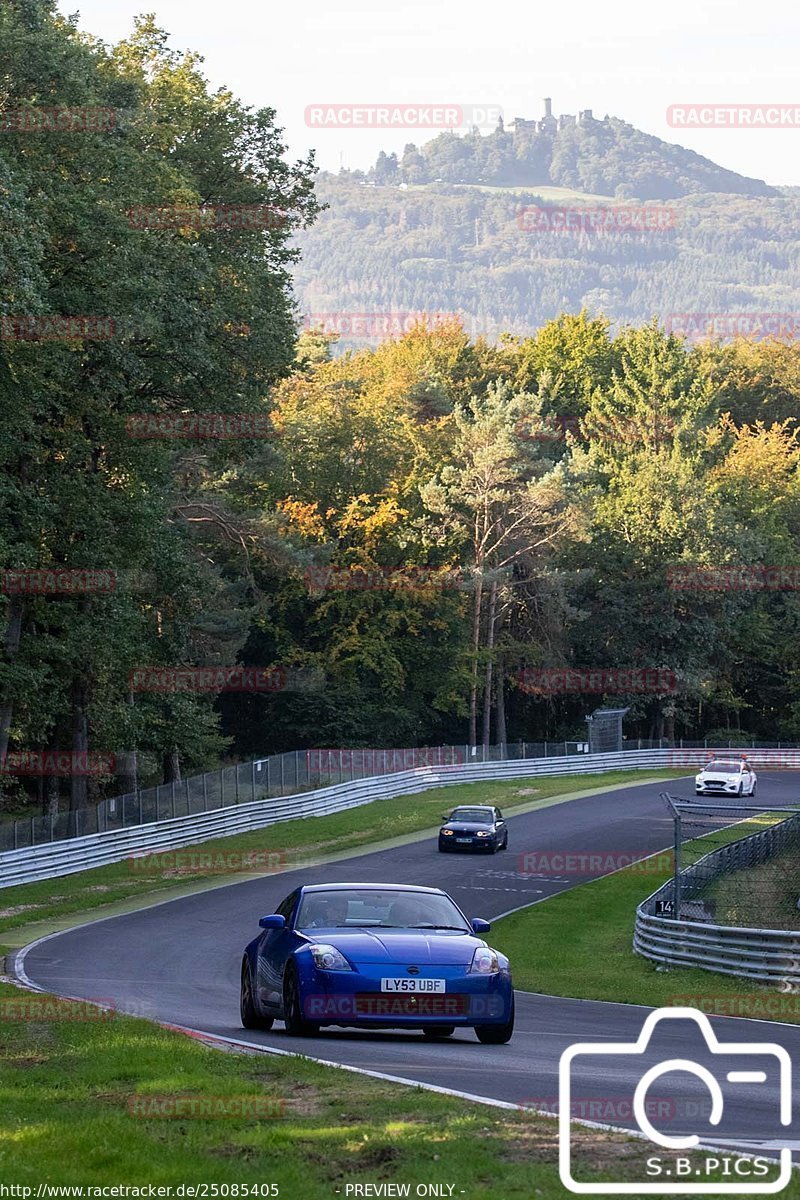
<point>478,816</point>
<point>358,908</point>
<point>729,768</point>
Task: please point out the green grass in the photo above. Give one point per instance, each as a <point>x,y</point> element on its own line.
<point>579,944</point>
<point>762,897</point>
<point>73,1094</point>
<point>543,191</point>
<point>290,844</point>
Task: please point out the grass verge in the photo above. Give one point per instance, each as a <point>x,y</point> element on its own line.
<point>763,897</point>
<point>579,944</point>
<point>119,1101</point>
<point>286,845</point>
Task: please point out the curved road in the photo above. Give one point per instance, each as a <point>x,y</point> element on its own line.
<point>178,962</point>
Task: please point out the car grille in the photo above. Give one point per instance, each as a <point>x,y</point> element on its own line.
<point>375,1004</point>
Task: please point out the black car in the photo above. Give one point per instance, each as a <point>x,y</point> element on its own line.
<point>474,827</point>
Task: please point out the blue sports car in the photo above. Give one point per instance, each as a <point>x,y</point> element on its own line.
<point>375,956</point>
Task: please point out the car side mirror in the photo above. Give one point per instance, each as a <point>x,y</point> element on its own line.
<point>480,926</point>
<point>274,921</point>
<point>445,816</point>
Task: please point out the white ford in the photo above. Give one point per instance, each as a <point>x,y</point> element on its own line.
<point>726,777</point>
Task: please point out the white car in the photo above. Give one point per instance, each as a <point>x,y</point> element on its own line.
<point>726,777</point>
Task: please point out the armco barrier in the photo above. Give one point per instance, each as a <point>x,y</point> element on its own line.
<point>55,859</point>
<point>770,956</point>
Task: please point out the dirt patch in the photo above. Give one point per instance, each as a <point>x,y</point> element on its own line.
<point>527,791</point>
<point>16,909</point>
<point>593,1149</point>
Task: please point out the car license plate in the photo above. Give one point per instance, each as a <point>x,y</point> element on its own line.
<point>412,985</point>
<point>463,840</point>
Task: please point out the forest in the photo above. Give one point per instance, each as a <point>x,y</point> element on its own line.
<point>221,537</point>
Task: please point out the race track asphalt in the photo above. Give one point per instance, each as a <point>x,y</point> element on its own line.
<point>179,962</point>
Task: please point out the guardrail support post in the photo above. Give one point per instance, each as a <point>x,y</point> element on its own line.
<point>236,783</point>
<point>222,787</point>
<point>253,778</point>
<point>172,795</point>
<point>676,885</point>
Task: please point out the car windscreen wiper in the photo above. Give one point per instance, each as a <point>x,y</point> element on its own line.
<point>430,925</point>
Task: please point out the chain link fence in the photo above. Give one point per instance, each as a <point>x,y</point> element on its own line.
<point>734,864</point>
<point>286,774</point>
<point>282,775</point>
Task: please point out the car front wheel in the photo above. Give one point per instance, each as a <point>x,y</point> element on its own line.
<point>496,1035</point>
<point>293,1019</point>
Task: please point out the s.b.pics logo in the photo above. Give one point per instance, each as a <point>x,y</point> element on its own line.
<point>741,1106</point>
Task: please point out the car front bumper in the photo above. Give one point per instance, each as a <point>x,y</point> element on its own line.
<point>466,842</point>
<point>356,999</point>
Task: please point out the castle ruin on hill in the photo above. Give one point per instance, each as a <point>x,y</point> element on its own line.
<point>548,123</point>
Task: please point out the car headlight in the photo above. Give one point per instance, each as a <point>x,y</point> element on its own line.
<point>447,833</point>
<point>484,962</point>
<point>698,778</point>
<point>328,958</point>
<point>483,833</point>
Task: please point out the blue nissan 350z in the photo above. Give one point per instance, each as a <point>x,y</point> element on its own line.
<point>375,956</point>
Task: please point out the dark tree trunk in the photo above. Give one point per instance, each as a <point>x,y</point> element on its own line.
<point>476,643</point>
<point>11,640</point>
<point>79,792</point>
<point>489,674</point>
<point>171,764</point>
<point>500,714</point>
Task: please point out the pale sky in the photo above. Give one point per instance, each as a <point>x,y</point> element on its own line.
<point>631,60</point>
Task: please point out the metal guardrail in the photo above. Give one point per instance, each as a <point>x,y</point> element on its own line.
<point>293,772</point>
<point>277,775</point>
<point>55,859</point>
<point>765,955</point>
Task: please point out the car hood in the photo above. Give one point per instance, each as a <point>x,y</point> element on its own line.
<point>418,947</point>
<point>466,826</point>
<point>729,776</point>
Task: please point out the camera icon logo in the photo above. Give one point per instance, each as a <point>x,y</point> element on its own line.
<point>735,1072</point>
